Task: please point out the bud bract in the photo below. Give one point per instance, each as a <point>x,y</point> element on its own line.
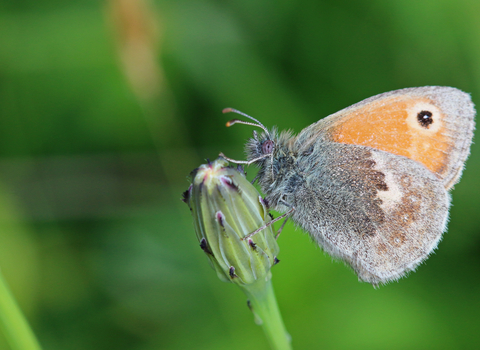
<point>226,207</point>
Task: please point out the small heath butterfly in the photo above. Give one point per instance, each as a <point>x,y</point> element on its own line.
<point>370,183</point>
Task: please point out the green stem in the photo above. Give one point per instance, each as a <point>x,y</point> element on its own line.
<point>13,323</point>
<point>264,306</point>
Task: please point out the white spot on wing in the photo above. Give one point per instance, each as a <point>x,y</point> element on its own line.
<point>393,196</point>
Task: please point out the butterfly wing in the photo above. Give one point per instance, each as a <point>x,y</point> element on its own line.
<point>381,213</point>
<point>377,175</point>
<point>432,125</point>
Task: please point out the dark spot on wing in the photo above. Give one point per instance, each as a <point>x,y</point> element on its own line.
<point>425,118</point>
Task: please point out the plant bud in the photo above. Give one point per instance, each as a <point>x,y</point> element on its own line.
<point>226,207</point>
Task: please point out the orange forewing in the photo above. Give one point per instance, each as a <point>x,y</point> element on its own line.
<point>391,125</point>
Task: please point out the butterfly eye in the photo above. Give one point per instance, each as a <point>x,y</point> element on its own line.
<point>268,147</point>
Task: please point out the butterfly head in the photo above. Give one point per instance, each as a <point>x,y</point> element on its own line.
<point>261,147</point>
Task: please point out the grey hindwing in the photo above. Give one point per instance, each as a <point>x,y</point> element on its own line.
<point>381,213</point>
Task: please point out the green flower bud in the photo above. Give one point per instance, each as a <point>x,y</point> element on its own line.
<point>226,207</point>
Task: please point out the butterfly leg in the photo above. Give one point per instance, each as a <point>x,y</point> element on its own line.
<point>281,227</point>
<point>255,179</point>
<point>288,213</point>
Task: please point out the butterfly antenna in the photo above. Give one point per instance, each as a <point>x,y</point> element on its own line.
<point>237,121</point>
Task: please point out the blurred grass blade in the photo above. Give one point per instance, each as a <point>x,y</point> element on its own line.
<point>12,322</point>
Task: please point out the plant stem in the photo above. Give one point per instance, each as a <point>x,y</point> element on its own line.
<point>13,323</point>
<point>263,304</point>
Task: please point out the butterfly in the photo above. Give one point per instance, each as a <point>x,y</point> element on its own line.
<point>370,183</point>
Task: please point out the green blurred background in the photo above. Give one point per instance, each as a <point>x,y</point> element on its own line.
<point>105,108</point>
